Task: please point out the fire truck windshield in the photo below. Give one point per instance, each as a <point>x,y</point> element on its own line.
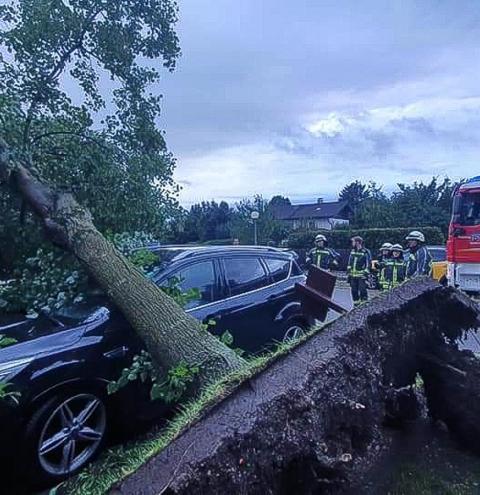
<point>467,209</point>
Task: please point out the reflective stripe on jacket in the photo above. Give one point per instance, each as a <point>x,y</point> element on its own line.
<point>323,257</point>
<point>359,262</point>
<point>393,273</point>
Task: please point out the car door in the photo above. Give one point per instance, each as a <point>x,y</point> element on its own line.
<point>284,302</point>
<point>245,313</point>
<point>205,276</point>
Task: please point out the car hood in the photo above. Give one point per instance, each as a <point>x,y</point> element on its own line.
<point>23,329</point>
<point>33,336</point>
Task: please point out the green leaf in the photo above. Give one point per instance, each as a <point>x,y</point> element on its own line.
<point>156,392</point>
<point>226,338</point>
<point>6,341</point>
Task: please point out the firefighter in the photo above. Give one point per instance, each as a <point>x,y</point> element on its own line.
<point>419,260</point>
<point>322,256</point>
<point>383,259</point>
<point>385,252</point>
<point>394,270</point>
<point>358,269</point>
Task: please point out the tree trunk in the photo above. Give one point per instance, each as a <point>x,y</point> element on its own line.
<point>169,333</point>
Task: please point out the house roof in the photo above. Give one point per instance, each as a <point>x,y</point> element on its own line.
<point>334,209</point>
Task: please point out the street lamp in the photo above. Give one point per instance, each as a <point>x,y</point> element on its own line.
<point>254,216</point>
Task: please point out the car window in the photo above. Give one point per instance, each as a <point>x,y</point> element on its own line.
<point>244,274</point>
<point>199,276</point>
<point>278,268</point>
<point>469,208</point>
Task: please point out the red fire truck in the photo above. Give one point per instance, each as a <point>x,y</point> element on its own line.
<point>463,245</point>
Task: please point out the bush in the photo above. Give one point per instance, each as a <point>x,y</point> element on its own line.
<point>46,282</point>
<point>374,238</point>
<point>52,278</point>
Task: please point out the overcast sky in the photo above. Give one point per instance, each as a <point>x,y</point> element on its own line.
<point>300,97</point>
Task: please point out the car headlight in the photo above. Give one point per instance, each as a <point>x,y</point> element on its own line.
<point>10,368</point>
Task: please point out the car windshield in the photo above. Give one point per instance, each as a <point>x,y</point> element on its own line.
<point>77,312</point>
<point>80,311</point>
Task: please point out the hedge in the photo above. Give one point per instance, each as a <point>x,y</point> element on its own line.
<point>374,238</point>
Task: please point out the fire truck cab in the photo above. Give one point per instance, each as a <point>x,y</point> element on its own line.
<point>463,245</point>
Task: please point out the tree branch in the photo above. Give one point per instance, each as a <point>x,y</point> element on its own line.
<point>54,74</point>
<point>38,196</point>
<point>67,133</point>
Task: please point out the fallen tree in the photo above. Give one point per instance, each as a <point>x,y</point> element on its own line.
<point>314,420</point>
<point>48,39</point>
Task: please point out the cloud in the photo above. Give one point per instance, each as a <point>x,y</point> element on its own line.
<point>300,98</point>
<point>441,113</point>
<point>386,144</point>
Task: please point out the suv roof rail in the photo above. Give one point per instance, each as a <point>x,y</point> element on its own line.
<point>190,250</point>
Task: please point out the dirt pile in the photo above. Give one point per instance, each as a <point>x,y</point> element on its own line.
<point>313,421</point>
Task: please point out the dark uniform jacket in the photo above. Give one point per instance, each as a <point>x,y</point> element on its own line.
<point>394,272</point>
<point>359,262</point>
<point>419,262</point>
<point>323,257</point>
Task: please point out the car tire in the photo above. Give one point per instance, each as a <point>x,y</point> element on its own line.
<point>293,329</point>
<point>63,435</point>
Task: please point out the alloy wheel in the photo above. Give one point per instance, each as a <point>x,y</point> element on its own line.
<point>293,332</point>
<point>72,434</point>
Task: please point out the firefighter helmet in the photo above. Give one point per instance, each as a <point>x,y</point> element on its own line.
<point>386,246</point>
<point>415,236</point>
<point>320,237</point>
<point>397,247</point>
<point>357,238</point>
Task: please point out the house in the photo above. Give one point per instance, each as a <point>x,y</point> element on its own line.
<point>315,216</point>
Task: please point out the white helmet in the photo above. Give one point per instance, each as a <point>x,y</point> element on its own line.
<point>415,236</point>
<point>397,247</point>
<point>386,246</point>
<point>320,237</point>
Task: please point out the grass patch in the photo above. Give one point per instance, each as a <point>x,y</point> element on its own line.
<point>412,480</point>
<point>118,462</point>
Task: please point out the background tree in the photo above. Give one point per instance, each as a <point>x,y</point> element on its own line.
<point>374,211</point>
<point>49,40</point>
<point>355,194</point>
<point>269,230</point>
<point>424,204</point>
<point>412,205</point>
<point>207,221</point>
<point>279,201</point>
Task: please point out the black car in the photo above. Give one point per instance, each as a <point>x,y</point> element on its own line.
<point>62,363</point>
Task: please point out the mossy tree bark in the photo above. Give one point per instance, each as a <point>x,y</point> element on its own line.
<point>169,333</point>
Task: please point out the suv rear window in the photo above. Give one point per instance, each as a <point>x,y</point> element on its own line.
<point>244,274</point>
<point>278,268</point>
